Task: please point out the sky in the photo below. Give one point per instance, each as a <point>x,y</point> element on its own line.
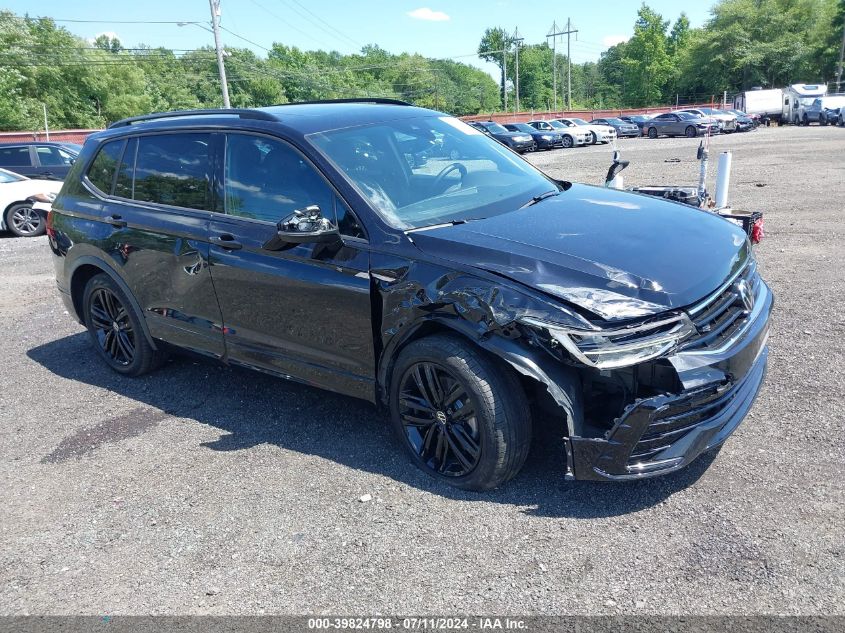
<point>434,28</point>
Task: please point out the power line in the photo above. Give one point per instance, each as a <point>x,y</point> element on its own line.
<point>179,22</point>
<point>329,26</point>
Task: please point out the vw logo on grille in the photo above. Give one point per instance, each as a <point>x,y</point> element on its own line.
<point>441,417</point>
<point>744,291</point>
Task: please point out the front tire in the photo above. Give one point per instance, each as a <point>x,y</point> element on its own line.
<point>462,418</point>
<point>691,132</point>
<point>594,137</point>
<point>568,142</point>
<point>24,221</point>
<point>115,328</point>
<point>652,132</point>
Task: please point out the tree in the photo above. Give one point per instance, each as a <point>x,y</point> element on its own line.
<point>646,60</point>
<point>494,47</point>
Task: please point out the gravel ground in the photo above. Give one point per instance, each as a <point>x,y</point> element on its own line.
<point>204,489</point>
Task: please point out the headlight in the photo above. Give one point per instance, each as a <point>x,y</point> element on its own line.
<point>522,139</point>
<point>546,137</point>
<point>620,347</point>
<point>44,197</point>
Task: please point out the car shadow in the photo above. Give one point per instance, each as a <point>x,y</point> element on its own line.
<point>252,409</point>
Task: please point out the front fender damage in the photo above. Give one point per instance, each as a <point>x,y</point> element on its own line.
<point>410,297</point>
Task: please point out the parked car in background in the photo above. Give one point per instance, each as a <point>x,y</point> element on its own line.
<point>623,128</point>
<point>727,122</point>
<point>24,203</point>
<point>46,160</point>
<point>542,139</point>
<point>745,122</point>
<point>518,141</point>
<point>572,136</point>
<point>598,133</point>
<point>639,120</point>
<point>680,124</point>
<point>824,110</point>
<point>463,297</point>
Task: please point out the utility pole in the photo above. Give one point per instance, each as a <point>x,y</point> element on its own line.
<point>505,73</point>
<point>516,41</point>
<point>568,32</point>
<point>46,127</point>
<point>553,35</point>
<point>215,26</point>
<point>841,60</point>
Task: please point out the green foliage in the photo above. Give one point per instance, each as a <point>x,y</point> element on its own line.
<point>88,85</point>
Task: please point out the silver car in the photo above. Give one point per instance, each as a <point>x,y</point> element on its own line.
<point>679,124</point>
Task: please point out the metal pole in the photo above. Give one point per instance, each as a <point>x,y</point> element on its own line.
<point>46,127</point>
<point>841,59</point>
<point>554,62</point>
<point>505,71</point>
<point>568,67</point>
<point>215,26</point>
<point>516,41</point>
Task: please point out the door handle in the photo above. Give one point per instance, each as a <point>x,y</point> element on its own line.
<point>115,220</point>
<point>226,241</point>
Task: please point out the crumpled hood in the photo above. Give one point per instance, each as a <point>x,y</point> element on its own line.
<point>617,254</point>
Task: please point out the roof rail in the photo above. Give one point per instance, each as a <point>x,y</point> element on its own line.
<point>385,100</point>
<point>244,113</point>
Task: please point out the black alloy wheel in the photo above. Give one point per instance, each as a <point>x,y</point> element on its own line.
<point>112,327</point>
<point>461,414</point>
<point>115,328</point>
<point>439,419</point>
<point>24,221</point>
<point>691,132</point>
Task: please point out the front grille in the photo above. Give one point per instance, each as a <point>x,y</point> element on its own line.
<point>718,317</point>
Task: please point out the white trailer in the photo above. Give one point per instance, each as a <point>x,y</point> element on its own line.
<point>797,97</point>
<point>763,103</point>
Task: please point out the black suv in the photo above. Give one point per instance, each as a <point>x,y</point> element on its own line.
<point>45,160</point>
<point>468,293</point>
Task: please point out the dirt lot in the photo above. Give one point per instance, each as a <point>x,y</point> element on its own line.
<point>203,489</point>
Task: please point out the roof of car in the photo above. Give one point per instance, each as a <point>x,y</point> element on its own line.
<point>51,143</point>
<point>305,117</point>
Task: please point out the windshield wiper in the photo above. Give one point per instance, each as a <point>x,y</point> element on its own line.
<point>540,198</point>
<point>442,224</point>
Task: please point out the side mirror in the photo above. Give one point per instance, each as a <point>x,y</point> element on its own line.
<point>303,226</point>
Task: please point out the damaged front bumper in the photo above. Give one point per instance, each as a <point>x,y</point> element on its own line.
<point>661,434</point>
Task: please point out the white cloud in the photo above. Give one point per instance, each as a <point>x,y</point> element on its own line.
<point>613,40</point>
<point>424,13</point>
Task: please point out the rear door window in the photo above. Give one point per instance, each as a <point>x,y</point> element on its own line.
<point>173,169</point>
<point>49,156</point>
<point>15,157</point>
<point>101,172</point>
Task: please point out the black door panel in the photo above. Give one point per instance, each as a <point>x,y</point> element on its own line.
<point>304,312</point>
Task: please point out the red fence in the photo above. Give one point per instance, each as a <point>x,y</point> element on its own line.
<point>67,136</point>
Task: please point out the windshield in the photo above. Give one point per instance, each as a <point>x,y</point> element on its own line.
<point>686,116</point>
<point>495,128</point>
<point>7,176</point>
<point>615,121</point>
<point>431,170</point>
<point>558,125</point>
<point>580,121</point>
<point>523,127</point>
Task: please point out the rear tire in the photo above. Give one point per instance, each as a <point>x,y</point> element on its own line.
<point>652,132</point>
<point>462,417</point>
<point>115,328</point>
<point>24,221</point>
